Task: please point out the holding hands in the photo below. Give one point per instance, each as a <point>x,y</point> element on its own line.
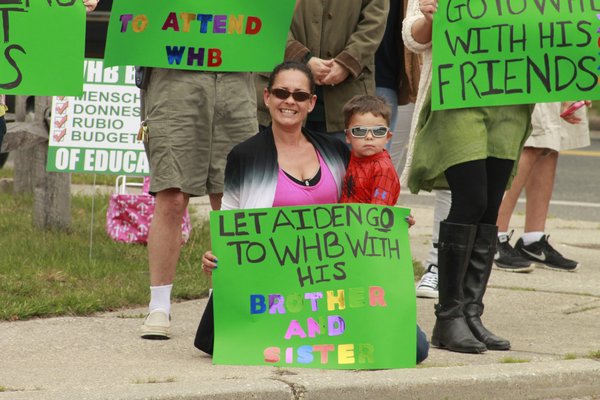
<point>320,68</point>
<point>327,72</point>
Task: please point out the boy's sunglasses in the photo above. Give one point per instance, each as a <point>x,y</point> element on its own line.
<point>284,94</point>
<point>361,131</point>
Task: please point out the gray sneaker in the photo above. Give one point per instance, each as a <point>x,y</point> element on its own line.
<point>428,285</point>
<point>507,258</point>
<point>156,326</point>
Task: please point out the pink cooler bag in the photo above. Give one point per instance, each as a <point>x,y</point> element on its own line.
<point>128,216</point>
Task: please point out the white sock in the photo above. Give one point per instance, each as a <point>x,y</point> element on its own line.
<point>160,298</point>
<point>530,237</point>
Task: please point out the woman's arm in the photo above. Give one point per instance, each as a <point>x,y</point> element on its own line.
<point>418,24</point>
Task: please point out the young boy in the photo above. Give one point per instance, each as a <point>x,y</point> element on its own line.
<point>371,176</point>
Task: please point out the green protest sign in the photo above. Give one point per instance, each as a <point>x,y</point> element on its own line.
<point>97,131</point>
<point>327,286</point>
<point>504,52</point>
<point>42,47</point>
<point>213,35</point>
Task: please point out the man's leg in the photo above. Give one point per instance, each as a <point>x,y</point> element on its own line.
<point>534,243</point>
<point>528,159</point>
<point>538,190</point>
<point>215,201</point>
<point>507,258</point>
<point>164,245</point>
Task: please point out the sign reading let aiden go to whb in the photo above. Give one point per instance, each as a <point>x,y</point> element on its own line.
<point>327,286</point>
<point>97,132</point>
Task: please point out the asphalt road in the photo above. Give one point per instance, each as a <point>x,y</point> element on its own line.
<point>576,189</point>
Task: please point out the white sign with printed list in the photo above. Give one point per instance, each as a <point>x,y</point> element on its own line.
<point>97,132</point>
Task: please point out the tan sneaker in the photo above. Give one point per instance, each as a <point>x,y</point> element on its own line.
<point>156,326</point>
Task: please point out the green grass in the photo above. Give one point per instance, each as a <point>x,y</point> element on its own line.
<point>513,360</point>
<point>594,355</point>
<point>45,273</point>
<point>570,356</point>
<point>76,178</point>
<point>418,269</point>
<point>169,379</point>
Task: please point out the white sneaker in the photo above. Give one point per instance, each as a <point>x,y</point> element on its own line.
<point>428,285</point>
<point>156,326</point>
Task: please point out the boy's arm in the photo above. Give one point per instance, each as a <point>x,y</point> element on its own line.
<point>386,186</point>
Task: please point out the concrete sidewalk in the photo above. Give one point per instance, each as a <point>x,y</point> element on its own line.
<point>551,318</point>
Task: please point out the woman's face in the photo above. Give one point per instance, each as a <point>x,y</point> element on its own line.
<point>289,111</point>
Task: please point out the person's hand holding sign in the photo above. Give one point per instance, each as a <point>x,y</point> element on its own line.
<point>90,5</point>
<point>422,29</point>
<point>209,262</point>
<point>428,8</point>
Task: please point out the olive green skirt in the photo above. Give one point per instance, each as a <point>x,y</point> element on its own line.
<point>449,137</point>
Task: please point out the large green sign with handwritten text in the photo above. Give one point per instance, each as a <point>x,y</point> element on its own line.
<point>42,47</point>
<point>506,52</point>
<point>213,35</point>
<point>326,286</point>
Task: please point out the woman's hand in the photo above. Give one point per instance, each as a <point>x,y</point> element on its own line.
<point>428,8</point>
<point>320,68</point>
<point>422,29</point>
<point>90,5</point>
<point>337,75</point>
<point>209,262</point>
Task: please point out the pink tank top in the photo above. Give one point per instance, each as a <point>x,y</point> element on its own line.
<point>290,193</point>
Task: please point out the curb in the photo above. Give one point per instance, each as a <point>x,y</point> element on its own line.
<point>566,379</point>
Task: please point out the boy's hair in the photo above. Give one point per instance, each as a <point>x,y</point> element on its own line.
<point>364,104</point>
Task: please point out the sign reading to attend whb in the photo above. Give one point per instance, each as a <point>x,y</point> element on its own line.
<point>97,131</point>
<point>327,286</point>
<point>515,52</point>
<point>41,47</point>
<point>211,35</point>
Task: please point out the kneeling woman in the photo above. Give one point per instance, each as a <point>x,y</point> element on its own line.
<point>283,165</point>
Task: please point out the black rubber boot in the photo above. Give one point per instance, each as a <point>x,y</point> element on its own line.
<point>475,284</point>
<point>451,330</point>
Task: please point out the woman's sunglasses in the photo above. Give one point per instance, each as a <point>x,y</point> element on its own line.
<point>284,94</point>
<point>361,131</point>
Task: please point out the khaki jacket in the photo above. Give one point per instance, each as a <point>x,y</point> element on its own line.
<point>348,31</point>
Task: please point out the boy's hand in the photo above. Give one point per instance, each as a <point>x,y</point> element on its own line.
<point>410,220</point>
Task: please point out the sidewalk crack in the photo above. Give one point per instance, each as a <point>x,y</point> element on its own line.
<point>297,390</point>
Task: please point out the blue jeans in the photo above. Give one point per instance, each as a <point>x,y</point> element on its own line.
<point>391,97</point>
<point>422,346</point>
<point>400,123</point>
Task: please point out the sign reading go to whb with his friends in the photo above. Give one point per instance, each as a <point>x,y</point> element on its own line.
<point>489,53</point>
<point>327,286</point>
